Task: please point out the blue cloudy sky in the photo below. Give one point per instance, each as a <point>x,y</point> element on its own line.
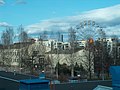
<point>52,15</point>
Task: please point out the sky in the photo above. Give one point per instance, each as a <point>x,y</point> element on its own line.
<point>51,15</point>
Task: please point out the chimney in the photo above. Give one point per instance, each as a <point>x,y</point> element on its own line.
<point>62,37</point>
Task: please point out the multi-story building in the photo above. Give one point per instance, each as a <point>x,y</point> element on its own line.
<point>66,46</point>
<point>81,43</point>
<point>112,46</point>
<point>13,55</point>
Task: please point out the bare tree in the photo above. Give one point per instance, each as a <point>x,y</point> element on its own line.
<point>58,36</point>
<point>37,54</point>
<point>87,59</point>
<point>23,46</point>
<point>52,35</point>
<point>43,35</point>
<point>23,36</point>
<point>7,36</point>
<point>7,40</point>
<point>72,40</point>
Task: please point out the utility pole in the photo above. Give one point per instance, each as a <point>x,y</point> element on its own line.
<point>57,68</point>
<point>103,57</point>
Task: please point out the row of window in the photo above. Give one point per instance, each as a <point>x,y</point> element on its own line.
<point>12,53</point>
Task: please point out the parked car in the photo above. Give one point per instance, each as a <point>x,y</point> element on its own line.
<point>73,80</point>
<point>55,82</point>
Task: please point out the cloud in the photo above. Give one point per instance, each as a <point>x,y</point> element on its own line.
<point>108,18</point>
<point>20,2</point>
<point>47,25</point>
<point>113,30</point>
<point>2,2</point>
<point>4,24</point>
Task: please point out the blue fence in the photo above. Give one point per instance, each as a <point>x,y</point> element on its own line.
<point>115,72</point>
<point>34,84</point>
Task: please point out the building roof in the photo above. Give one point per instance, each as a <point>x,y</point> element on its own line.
<point>33,81</point>
<point>99,87</point>
<point>16,45</point>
